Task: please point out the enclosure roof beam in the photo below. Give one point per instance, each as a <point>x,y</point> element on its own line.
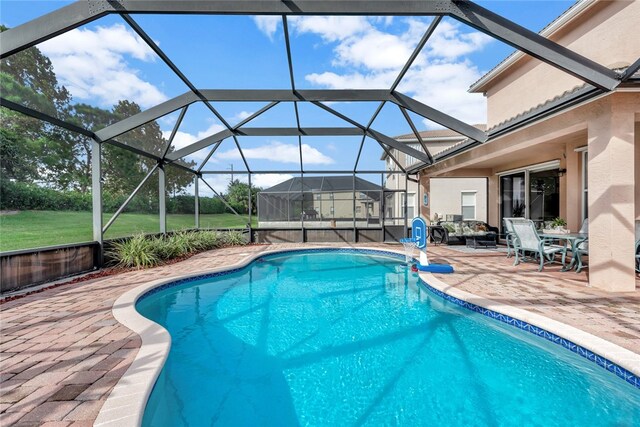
<point>154,46</point>
<point>378,136</point>
<point>534,44</point>
<point>248,95</point>
<point>416,133</point>
<point>197,146</point>
<point>366,131</point>
<point>256,114</point>
<point>206,159</point>
<point>203,143</point>
<point>146,116</point>
<point>74,128</point>
<point>416,52</point>
<point>139,152</point>
<point>131,196</point>
<point>222,198</point>
<point>323,172</point>
<point>631,70</point>
<point>439,117</point>
<point>394,86</point>
<point>287,43</point>
<point>174,131</point>
<point>45,117</point>
<point>364,137</point>
<point>82,12</point>
<point>286,95</point>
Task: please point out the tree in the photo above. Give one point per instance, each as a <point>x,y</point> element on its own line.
<point>35,151</point>
<point>91,118</point>
<point>15,159</point>
<point>238,197</point>
<point>31,69</point>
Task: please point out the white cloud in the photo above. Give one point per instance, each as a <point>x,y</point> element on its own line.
<point>183,139</point>
<point>373,50</point>
<point>92,65</point>
<point>354,80</point>
<point>280,152</point>
<point>444,86</point>
<point>366,56</point>
<point>218,182</point>
<point>241,116</point>
<point>331,28</point>
<point>265,181</point>
<point>448,42</point>
<point>268,24</point>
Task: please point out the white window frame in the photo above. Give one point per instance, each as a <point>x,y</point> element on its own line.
<point>585,184</point>
<point>410,201</point>
<point>409,159</point>
<point>475,204</point>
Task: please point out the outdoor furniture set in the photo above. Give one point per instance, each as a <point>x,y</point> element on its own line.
<point>526,242</point>
<point>469,232</point>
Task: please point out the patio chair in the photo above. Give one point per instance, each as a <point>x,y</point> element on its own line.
<point>528,240</point>
<point>509,236</point>
<point>582,246</point>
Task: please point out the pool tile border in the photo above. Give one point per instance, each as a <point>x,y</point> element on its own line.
<point>601,361</point>
<point>125,405</point>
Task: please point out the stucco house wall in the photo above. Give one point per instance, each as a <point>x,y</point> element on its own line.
<point>605,32</point>
<point>446,196</point>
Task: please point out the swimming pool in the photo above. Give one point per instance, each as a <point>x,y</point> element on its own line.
<point>334,338</point>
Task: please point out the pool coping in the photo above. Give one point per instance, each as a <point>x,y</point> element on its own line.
<point>126,403</point>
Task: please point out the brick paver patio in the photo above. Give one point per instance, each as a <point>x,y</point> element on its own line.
<point>61,350</point>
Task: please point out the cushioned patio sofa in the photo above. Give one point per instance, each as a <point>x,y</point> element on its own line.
<point>457,232</point>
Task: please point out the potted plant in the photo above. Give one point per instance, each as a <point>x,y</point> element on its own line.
<point>558,226</point>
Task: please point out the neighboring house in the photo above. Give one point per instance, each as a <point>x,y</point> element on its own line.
<point>320,201</point>
<point>466,197</point>
<point>559,147</point>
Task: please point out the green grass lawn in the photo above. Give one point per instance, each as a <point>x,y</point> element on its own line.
<point>33,229</point>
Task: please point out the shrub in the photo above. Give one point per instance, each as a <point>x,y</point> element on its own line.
<point>138,251</point>
<point>142,251</point>
<point>26,196</point>
<point>233,238</point>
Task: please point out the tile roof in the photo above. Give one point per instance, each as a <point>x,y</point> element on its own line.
<point>323,183</point>
<point>549,29</point>
<point>438,133</point>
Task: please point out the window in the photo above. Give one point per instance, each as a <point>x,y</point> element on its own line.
<point>391,165</point>
<point>410,159</point>
<point>411,199</point>
<point>468,205</point>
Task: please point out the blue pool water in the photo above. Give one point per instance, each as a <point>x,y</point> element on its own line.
<point>337,339</point>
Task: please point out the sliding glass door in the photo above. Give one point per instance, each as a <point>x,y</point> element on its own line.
<point>532,193</point>
<point>544,196</point>
<point>512,197</point>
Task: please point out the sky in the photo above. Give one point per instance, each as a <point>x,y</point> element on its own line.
<point>105,61</point>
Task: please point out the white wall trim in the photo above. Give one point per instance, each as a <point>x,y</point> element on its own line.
<point>553,164</point>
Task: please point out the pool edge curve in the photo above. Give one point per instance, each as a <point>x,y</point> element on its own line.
<point>126,403</point>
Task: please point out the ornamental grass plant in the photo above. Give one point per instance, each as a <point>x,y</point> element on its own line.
<point>141,251</point>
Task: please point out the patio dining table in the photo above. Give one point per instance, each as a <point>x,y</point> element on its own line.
<point>572,238</point>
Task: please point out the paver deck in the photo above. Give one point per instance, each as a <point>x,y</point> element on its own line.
<point>61,350</point>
